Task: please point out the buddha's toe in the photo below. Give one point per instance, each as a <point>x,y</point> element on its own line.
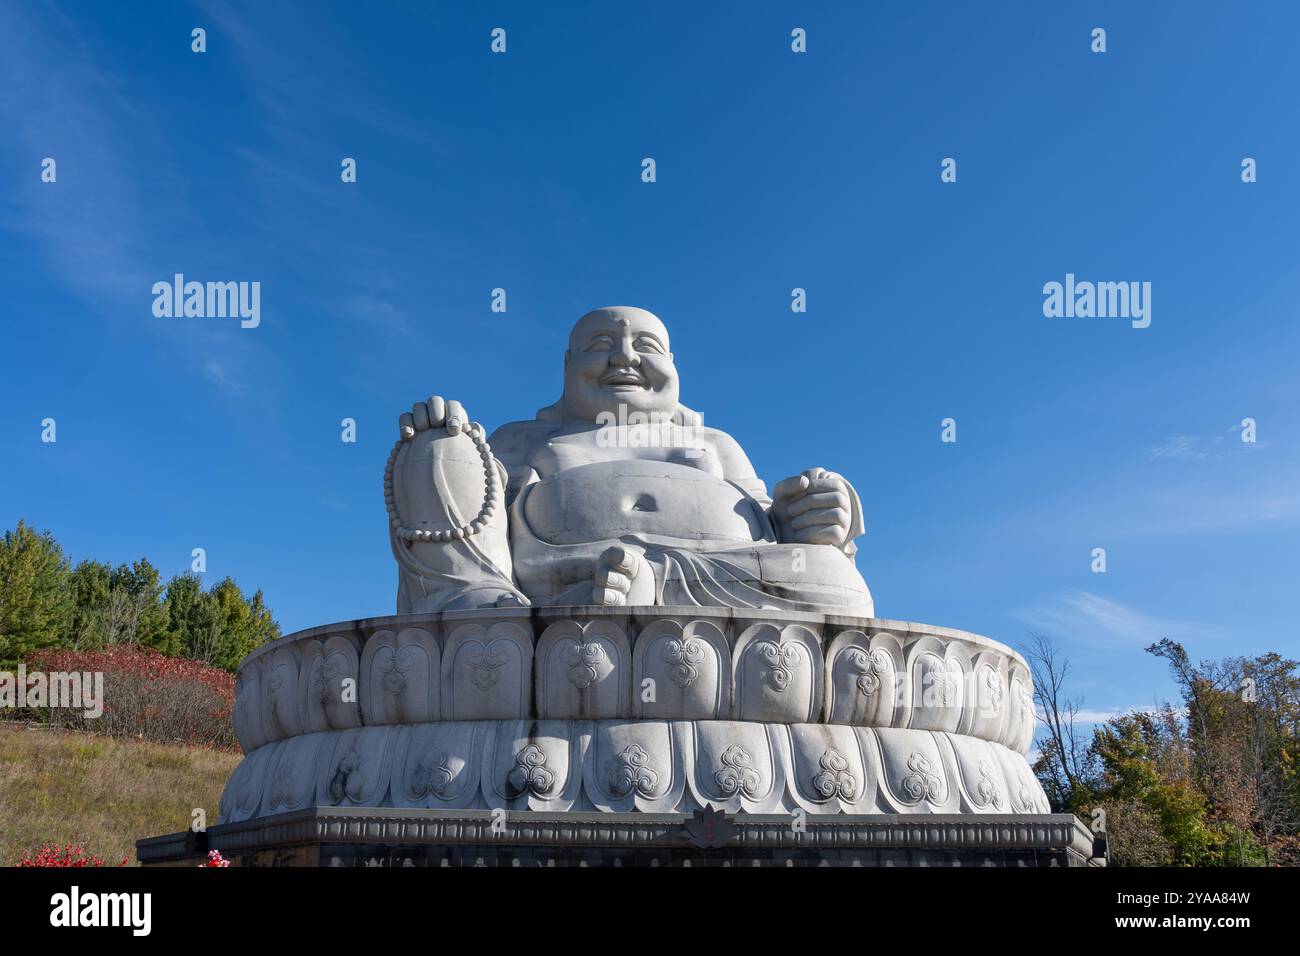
<point>609,578</point>
<point>622,559</point>
<point>608,597</point>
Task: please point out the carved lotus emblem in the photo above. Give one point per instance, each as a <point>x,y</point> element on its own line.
<point>709,828</point>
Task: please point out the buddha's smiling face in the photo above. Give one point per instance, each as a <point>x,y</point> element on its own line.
<point>618,357</point>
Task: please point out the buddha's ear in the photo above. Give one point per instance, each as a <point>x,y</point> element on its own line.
<point>566,358</point>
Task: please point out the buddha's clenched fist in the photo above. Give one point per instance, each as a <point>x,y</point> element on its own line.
<point>815,507</point>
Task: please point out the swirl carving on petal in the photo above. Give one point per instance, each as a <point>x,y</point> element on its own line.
<point>1026,797</point>
<point>940,686</point>
<point>685,655</point>
<point>347,780</point>
<point>737,774</point>
<point>834,779</point>
<point>530,773</point>
<point>324,682</point>
<point>988,789</point>
<point>274,681</point>
<point>628,773</point>
<point>485,667</point>
<point>993,689</point>
<point>586,660</point>
<point>394,673</point>
<point>282,782</point>
<point>432,775</point>
<point>782,661</point>
<point>922,783</point>
<point>871,669</point>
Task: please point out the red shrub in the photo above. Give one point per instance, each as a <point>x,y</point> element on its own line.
<point>71,854</point>
<point>149,695</point>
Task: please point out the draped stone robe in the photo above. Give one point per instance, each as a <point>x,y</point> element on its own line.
<point>708,539</point>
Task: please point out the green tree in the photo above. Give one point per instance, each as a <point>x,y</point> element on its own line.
<point>1242,717</point>
<point>184,609</point>
<point>219,626</point>
<point>35,601</point>
<point>136,597</point>
<point>89,585</point>
<point>1150,795</point>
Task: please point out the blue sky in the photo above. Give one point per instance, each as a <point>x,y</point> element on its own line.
<point>775,171</point>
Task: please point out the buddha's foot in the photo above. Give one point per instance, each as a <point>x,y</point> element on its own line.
<point>623,577</point>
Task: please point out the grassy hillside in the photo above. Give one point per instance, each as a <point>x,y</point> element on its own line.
<point>60,786</point>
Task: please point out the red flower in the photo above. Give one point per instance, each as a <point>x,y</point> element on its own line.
<point>71,854</point>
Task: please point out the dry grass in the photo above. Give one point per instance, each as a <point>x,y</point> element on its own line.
<point>59,786</point>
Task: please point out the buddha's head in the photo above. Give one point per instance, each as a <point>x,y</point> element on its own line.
<point>618,357</point>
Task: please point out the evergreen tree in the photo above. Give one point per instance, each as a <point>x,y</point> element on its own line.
<point>35,599</point>
<point>89,586</point>
<point>137,589</point>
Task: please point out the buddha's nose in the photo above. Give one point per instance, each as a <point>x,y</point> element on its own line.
<point>623,358</point>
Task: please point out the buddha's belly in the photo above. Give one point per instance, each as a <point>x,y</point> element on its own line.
<point>657,501</point>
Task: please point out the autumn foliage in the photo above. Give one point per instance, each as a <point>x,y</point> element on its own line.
<point>149,695</point>
<point>70,854</point>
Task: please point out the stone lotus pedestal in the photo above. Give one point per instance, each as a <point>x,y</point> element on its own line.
<point>633,736</point>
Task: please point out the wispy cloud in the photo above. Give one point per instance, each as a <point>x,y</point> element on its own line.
<point>1200,447</point>
<point>1092,619</point>
<point>97,230</point>
<point>1088,716</point>
<point>216,373</point>
<point>1179,447</point>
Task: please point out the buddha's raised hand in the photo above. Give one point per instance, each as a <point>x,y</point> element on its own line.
<point>815,507</point>
<point>435,413</point>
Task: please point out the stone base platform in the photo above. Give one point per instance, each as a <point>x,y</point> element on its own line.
<point>655,736</point>
<point>362,836</point>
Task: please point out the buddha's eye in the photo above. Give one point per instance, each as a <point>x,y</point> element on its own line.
<point>645,344</point>
<point>601,343</point>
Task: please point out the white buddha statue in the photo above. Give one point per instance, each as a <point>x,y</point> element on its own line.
<point>615,495</point>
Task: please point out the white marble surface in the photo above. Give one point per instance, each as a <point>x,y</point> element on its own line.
<point>616,494</point>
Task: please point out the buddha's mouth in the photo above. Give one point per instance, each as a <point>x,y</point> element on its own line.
<point>624,377</point>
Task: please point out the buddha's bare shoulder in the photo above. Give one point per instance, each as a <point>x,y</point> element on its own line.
<point>514,442</point>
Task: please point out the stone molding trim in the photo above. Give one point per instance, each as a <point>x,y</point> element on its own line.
<point>414,828</point>
<point>673,664</point>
